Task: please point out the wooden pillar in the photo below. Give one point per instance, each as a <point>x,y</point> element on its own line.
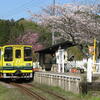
<point>42,59</point>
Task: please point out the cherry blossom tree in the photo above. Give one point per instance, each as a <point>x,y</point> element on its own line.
<point>30,39</point>
<point>72,22</point>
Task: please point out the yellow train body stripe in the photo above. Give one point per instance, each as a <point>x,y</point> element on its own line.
<point>13,71</point>
<point>8,71</point>
<point>26,71</point>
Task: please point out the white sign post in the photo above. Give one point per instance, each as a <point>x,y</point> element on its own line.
<point>60,60</point>
<point>89,70</point>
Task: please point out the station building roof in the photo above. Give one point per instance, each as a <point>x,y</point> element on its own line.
<point>54,48</point>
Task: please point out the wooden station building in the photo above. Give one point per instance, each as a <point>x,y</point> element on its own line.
<point>46,57</point>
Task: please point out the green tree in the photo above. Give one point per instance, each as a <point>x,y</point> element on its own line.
<point>4,32</point>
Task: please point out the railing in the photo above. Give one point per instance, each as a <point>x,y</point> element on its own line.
<point>66,82</point>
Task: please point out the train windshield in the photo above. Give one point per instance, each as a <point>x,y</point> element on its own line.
<point>8,56</point>
<point>27,54</point>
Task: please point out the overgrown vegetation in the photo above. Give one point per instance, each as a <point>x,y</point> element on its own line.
<point>75,53</point>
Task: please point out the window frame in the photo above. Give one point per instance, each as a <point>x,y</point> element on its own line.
<point>28,57</point>
<point>8,58</point>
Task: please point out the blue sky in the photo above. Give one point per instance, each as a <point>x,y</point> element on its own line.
<point>17,9</point>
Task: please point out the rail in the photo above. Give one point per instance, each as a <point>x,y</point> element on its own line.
<point>29,92</point>
<point>47,91</point>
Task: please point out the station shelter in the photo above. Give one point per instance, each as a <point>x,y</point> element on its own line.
<point>47,56</point>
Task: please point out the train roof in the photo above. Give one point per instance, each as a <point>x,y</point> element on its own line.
<point>17,46</point>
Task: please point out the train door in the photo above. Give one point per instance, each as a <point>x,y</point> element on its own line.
<point>0,57</point>
<point>18,56</point>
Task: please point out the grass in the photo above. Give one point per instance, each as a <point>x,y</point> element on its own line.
<point>71,96</point>
<point>12,94</point>
<point>16,94</point>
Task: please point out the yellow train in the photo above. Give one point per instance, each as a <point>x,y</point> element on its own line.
<point>16,61</point>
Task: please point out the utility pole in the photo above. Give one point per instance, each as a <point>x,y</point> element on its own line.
<point>94,56</point>
<point>54,2</point>
<point>53,38</point>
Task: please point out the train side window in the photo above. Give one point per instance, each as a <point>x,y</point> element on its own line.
<point>27,54</point>
<point>8,55</point>
<point>18,54</point>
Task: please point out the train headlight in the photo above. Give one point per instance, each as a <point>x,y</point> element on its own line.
<point>8,64</point>
<point>28,64</point>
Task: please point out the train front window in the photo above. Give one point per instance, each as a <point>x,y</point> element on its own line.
<point>8,56</point>
<point>27,54</point>
<point>18,53</point>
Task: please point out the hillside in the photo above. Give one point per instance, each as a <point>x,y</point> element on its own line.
<point>24,32</point>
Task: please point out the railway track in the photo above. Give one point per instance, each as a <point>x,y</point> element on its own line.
<point>34,94</point>
<point>28,91</point>
<point>47,91</point>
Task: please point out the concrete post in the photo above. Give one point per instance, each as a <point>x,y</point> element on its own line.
<point>61,60</point>
<point>89,70</point>
<point>59,68</point>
